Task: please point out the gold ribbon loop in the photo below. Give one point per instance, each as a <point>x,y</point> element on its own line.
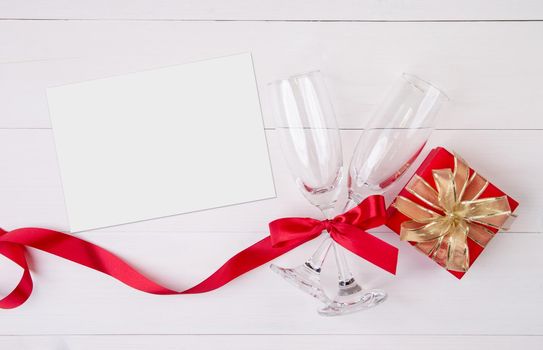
<point>417,232</point>
<point>423,191</point>
<point>456,213</point>
<point>461,176</point>
<point>417,212</point>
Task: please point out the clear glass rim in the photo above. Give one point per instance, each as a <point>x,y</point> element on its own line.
<point>295,76</point>
<point>423,85</point>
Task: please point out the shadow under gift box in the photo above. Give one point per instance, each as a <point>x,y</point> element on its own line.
<point>440,158</point>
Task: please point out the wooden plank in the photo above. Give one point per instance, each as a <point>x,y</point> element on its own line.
<point>31,190</point>
<point>368,10</point>
<point>491,71</point>
<point>270,342</point>
<point>500,295</point>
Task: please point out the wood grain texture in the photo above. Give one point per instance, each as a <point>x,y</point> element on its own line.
<point>193,245</point>
<point>269,342</point>
<point>491,71</point>
<point>501,294</point>
<point>365,10</point>
<point>32,190</point>
<point>485,54</point>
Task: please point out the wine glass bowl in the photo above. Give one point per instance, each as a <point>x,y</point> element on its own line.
<point>309,136</point>
<point>310,139</point>
<point>311,143</point>
<point>394,136</point>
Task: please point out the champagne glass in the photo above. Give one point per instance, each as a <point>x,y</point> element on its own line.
<point>310,140</point>
<point>392,140</point>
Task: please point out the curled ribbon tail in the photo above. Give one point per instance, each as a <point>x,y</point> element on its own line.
<point>13,245</point>
<point>20,294</point>
<point>285,235</point>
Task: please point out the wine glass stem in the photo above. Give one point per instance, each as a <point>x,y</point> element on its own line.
<point>317,258</point>
<point>344,273</point>
<point>351,203</point>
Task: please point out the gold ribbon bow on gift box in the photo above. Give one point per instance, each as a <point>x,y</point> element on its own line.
<point>458,214</point>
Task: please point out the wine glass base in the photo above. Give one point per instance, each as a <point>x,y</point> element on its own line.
<point>303,278</point>
<point>346,304</point>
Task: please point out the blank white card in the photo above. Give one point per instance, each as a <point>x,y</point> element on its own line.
<point>160,142</point>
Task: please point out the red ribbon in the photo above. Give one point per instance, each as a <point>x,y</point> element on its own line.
<point>285,234</point>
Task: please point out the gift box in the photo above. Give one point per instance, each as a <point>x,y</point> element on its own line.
<point>449,212</point>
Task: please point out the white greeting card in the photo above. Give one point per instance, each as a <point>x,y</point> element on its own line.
<point>160,142</point>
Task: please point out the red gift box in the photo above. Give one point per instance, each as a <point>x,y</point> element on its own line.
<point>442,164</point>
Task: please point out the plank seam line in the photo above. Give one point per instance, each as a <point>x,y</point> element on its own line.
<point>120,19</point>
<point>272,334</point>
<point>256,232</point>
<point>343,129</point>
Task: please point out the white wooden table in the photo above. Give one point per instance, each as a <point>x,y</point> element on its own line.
<point>488,57</point>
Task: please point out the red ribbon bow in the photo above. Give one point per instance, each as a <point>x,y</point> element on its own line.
<point>286,234</point>
<point>347,229</point>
